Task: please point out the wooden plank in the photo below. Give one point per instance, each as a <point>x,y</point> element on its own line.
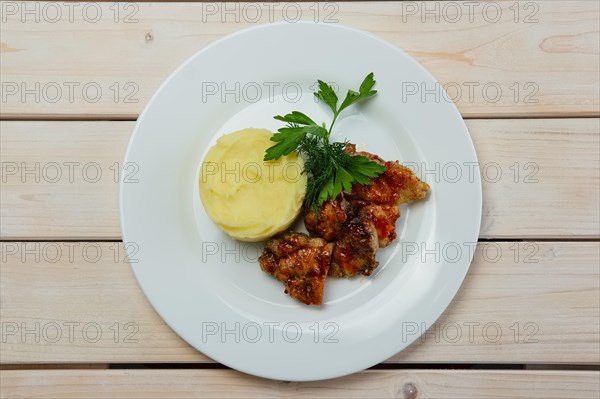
<point>408,384</point>
<point>79,302</point>
<point>546,168</point>
<point>65,185</point>
<point>540,178</point>
<point>526,58</point>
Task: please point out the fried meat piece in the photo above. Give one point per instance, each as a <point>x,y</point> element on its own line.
<point>397,185</point>
<point>333,215</point>
<point>384,218</point>
<point>355,248</point>
<point>301,262</point>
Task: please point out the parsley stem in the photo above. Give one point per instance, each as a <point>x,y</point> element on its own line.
<point>331,127</point>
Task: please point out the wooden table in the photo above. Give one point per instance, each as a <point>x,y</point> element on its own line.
<point>525,76</point>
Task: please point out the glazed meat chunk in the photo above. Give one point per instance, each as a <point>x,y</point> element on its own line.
<point>384,218</point>
<point>333,215</point>
<point>355,248</point>
<point>301,262</point>
<point>397,185</point>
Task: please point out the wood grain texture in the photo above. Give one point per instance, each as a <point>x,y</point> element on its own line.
<point>540,178</point>
<point>527,58</point>
<point>529,302</point>
<point>377,384</point>
<point>64,185</point>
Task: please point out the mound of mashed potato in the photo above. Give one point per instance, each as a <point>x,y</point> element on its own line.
<point>251,199</point>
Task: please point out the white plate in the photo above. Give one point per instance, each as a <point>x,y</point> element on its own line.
<point>210,289</point>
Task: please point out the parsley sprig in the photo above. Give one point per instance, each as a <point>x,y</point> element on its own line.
<point>329,167</point>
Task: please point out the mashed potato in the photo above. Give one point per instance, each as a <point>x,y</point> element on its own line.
<point>251,199</point>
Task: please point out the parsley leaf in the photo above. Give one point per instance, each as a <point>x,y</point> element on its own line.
<point>350,169</point>
<point>327,95</point>
<point>363,169</point>
<point>364,92</point>
<point>296,117</point>
<point>289,138</point>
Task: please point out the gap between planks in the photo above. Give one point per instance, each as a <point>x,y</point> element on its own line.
<point>380,366</point>
<point>114,118</point>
